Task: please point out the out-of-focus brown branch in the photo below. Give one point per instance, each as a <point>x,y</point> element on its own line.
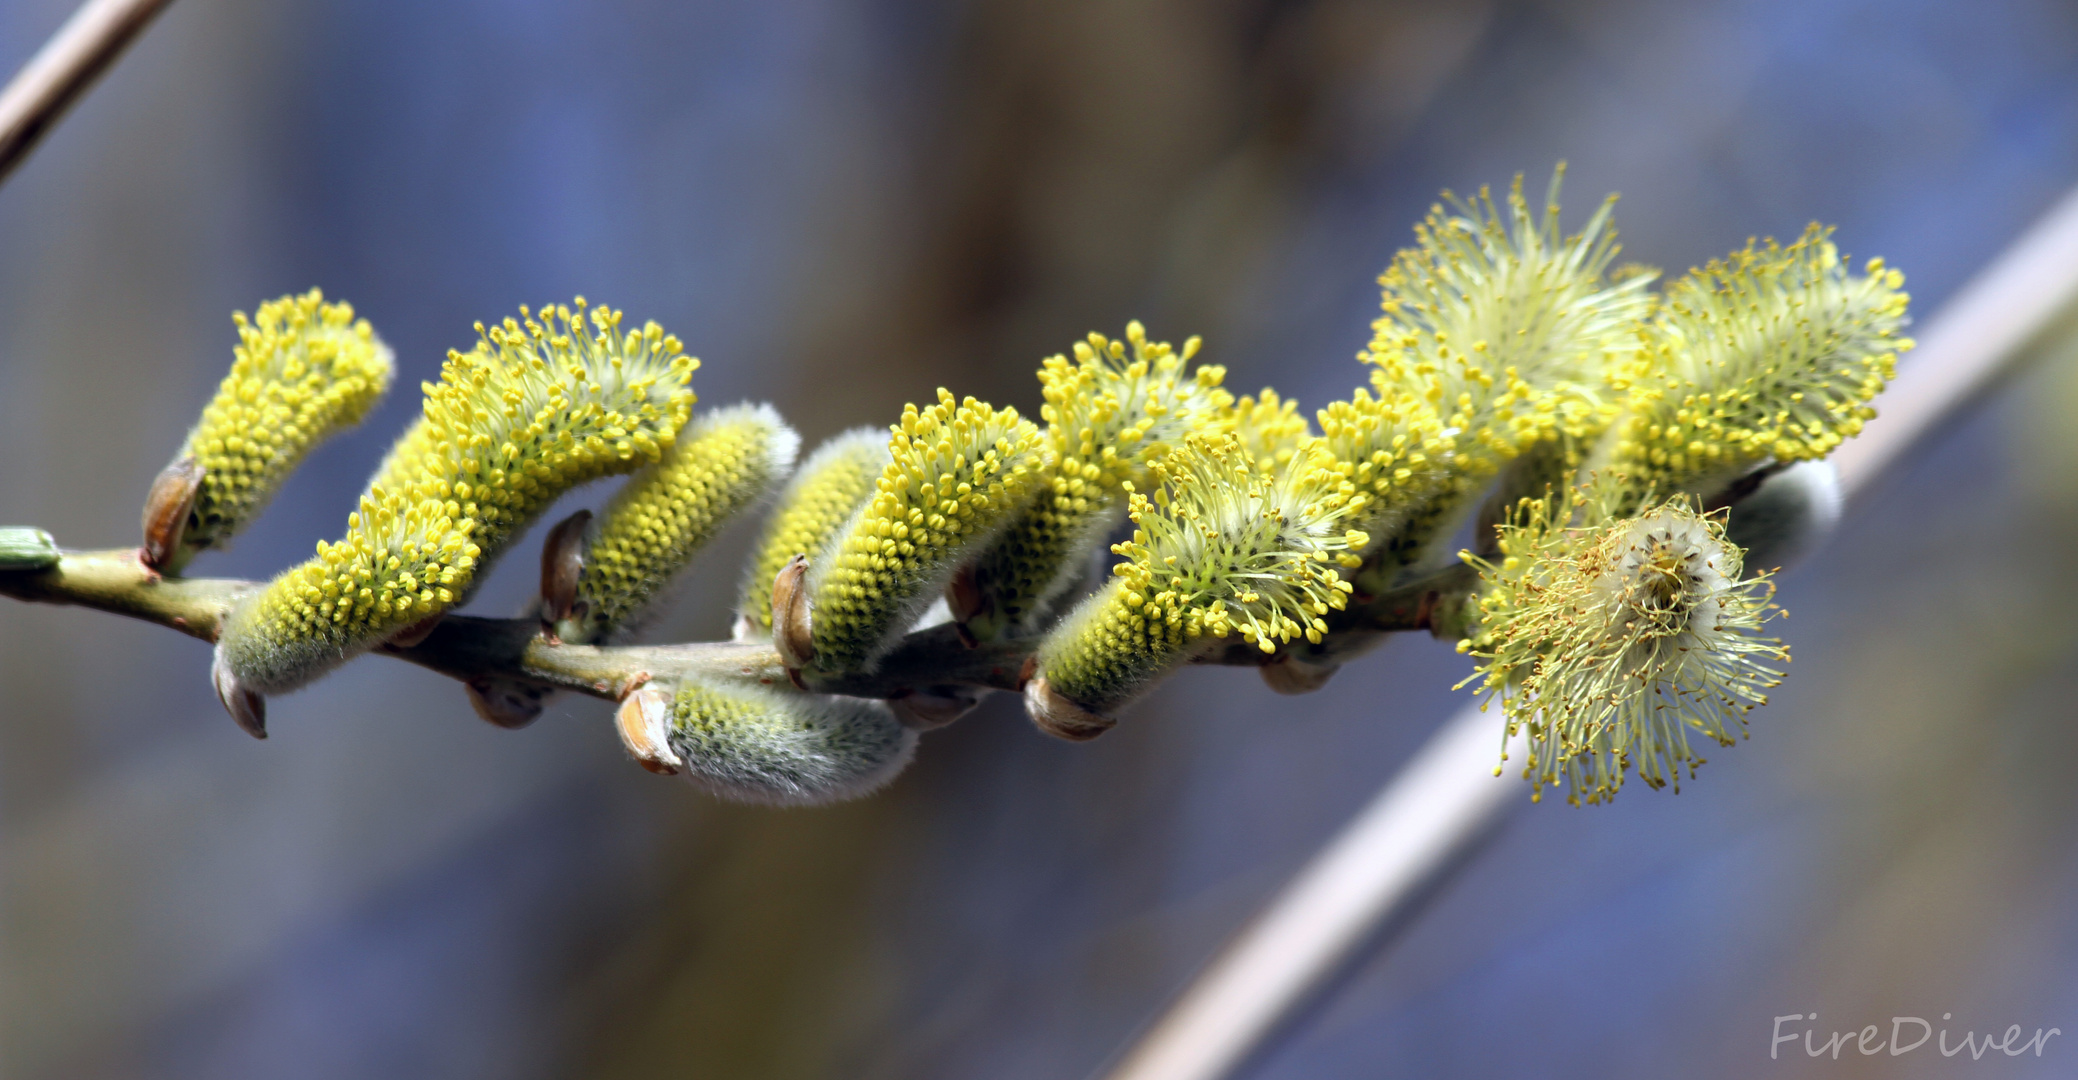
<point>60,72</point>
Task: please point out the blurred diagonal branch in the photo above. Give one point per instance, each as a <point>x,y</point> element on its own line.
<point>1424,822</point>
<point>60,72</point>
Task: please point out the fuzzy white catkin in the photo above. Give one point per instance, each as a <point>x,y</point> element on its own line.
<point>758,744</point>
<point>1788,516</point>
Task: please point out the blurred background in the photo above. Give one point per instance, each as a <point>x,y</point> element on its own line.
<point>841,206</point>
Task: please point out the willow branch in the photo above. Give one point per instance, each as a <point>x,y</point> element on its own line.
<point>466,647</point>
<point>60,72</point>
<point>116,581</point>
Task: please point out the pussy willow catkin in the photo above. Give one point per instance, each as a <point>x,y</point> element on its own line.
<point>959,471</point>
<point>1506,330</point>
<point>813,509</point>
<point>1110,409</point>
<point>540,405</point>
<point>723,462</point>
<point>302,371</point>
<point>1223,548</point>
<point>1614,644</point>
<point>1769,354</point>
<point>1516,375</point>
<point>777,745</point>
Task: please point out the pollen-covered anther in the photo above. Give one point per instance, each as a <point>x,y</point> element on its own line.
<point>822,496</point>
<point>958,472</point>
<point>1771,353</point>
<point>167,508</point>
<point>1059,716</point>
<point>1498,338</point>
<point>246,707</point>
<point>1270,428</point>
<point>1221,549</point>
<point>661,519</point>
<point>643,721</point>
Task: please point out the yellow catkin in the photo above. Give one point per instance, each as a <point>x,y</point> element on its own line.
<point>1613,643</point>
<point>540,405</point>
<point>1507,331</point>
<point>817,503</point>
<point>302,371</point>
<point>1223,548</point>
<point>1111,408</point>
<point>723,462</point>
<point>1271,428</point>
<point>1393,448</point>
<point>1771,353</point>
<point>958,472</point>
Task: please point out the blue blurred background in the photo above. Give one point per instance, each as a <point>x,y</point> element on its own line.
<point>840,207</point>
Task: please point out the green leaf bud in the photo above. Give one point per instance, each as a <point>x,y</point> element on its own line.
<point>27,550</point>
